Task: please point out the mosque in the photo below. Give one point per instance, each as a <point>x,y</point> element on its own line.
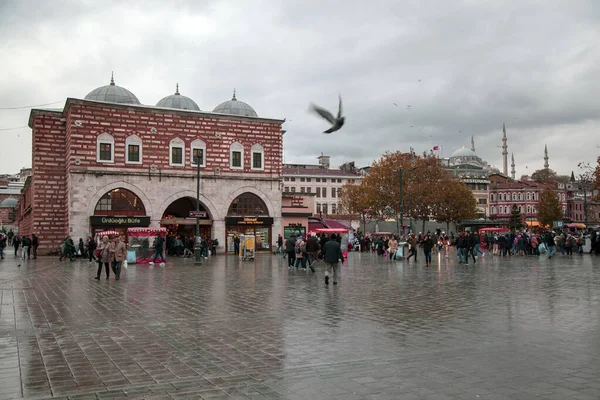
<point>481,177</point>
<point>109,162</point>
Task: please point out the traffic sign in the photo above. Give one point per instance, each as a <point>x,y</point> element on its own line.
<point>198,214</point>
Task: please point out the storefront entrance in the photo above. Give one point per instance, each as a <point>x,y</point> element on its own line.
<point>248,215</point>
<point>118,210</point>
<point>179,222</point>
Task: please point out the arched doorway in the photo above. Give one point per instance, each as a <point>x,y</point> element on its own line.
<point>119,209</point>
<point>248,215</point>
<point>178,220</point>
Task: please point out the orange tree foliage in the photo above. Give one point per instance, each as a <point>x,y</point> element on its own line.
<point>427,190</point>
<point>597,177</point>
<point>457,202</point>
<point>549,208</point>
<point>354,199</point>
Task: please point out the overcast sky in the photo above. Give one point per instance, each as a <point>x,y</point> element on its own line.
<point>464,67</point>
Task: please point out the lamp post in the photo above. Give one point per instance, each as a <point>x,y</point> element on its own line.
<point>401,201</point>
<point>197,248</point>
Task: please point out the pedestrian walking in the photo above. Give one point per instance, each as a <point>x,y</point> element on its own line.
<point>312,250</point>
<point>412,247</point>
<point>35,243</point>
<point>91,248</point>
<point>550,244</point>
<point>159,244</point>
<point>393,243</point>
<point>103,256</point>
<point>118,254</point>
<point>332,254</point>
<point>290,249</point>
<point>427,247</point>
<point>16,243</point>
<point>25,243</point>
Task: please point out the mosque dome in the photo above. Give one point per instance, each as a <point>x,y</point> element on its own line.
<point>112,93</point>
<point>235,107</point>
<point>463,152</point>
<point>8,203</point>
<point>178,101</point>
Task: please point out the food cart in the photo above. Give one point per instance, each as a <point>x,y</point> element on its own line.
<point>247,247</point>
<point>141,244</point>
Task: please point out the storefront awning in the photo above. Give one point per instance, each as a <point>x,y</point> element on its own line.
<point>333,224</point>
<point>532,223</point>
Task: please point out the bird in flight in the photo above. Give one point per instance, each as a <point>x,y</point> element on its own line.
<point>420,80</point>
<point>336,122</point>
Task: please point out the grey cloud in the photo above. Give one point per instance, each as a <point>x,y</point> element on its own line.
<point>529,65</point>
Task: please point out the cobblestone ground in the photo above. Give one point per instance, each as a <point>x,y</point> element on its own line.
<point>515,328</point>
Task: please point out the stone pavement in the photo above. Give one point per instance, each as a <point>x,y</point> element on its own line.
<point>515,328</point>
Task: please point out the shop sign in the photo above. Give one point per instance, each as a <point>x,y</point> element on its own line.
<point>198,214</point>
<point>297,201</point>
<point>121,221</point>
<point>293,229</point>
<point>249,220</point>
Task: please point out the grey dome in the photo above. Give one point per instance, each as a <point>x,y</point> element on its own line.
<point>112,94</point>
<point>235,107</point>
<point>464,153</point>
<point>178,101</point>
<point>8,203</point>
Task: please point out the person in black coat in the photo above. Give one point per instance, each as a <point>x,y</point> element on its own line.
<point>290,249</point>
<point>332,254</point>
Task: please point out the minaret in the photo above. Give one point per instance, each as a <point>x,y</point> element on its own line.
<point>546,165</point>
<point>512,166</point>
<point>504,152</point>
<point>472,144</point>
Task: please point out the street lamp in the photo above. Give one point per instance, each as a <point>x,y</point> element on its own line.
<point>401,201</point>
<point>197,248</point>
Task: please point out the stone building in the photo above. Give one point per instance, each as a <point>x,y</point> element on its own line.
<point>321,180</point>
<point>109,162</point>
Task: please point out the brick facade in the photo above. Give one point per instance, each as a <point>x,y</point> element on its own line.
<point>68,180</point>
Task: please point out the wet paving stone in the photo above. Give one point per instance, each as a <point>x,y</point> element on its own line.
<point>514,328</point>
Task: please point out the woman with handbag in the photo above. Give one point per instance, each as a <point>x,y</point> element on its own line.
<point>103,256</point>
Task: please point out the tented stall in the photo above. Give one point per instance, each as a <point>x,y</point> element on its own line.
<point>141,244</point>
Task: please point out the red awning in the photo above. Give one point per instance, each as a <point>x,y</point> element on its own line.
<point>333,224</point>
<point>313,225</point>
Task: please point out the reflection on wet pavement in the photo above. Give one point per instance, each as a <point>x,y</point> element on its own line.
<point>515,328</point>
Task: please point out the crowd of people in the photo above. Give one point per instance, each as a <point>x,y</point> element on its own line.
<point>28,245</point>
<point>471,245</point>
<point>301,251</point>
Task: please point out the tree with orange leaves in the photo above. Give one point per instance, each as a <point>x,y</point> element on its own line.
<point>457,202</point>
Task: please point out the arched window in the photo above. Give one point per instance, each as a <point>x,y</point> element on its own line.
<point>528,196</point>
<point>528,209</point>
<point>247,204</point>
<point>133,150</point>
<point>493,210</point>
<point>514,196</point>
<point>120,202</point>
<point>236,156</point>
<point>258,157</point>
<point>105,148</point>
<point>176,152</point>
<point>520,196</point>
<point>198,150</point>
<point>492,197</point>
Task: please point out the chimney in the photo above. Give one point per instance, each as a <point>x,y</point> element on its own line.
<point>324,161</point>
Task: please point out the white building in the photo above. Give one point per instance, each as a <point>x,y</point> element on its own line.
<point>325,182</point>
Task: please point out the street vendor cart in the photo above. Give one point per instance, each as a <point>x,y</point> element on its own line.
<point>141,244</point>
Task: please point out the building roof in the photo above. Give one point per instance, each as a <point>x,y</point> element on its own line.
<point>235,107</point>
<point>113,94</point>
<point>287,171</point>
<point>178,101</point>
<point>70,101</point>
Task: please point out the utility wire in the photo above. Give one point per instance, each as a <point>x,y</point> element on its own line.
<point>35,105</point>
<point>12,129</point>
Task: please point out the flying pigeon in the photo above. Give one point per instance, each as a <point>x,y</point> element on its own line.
<point>337,123</point>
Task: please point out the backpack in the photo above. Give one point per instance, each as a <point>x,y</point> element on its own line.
<point>298,246</point>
